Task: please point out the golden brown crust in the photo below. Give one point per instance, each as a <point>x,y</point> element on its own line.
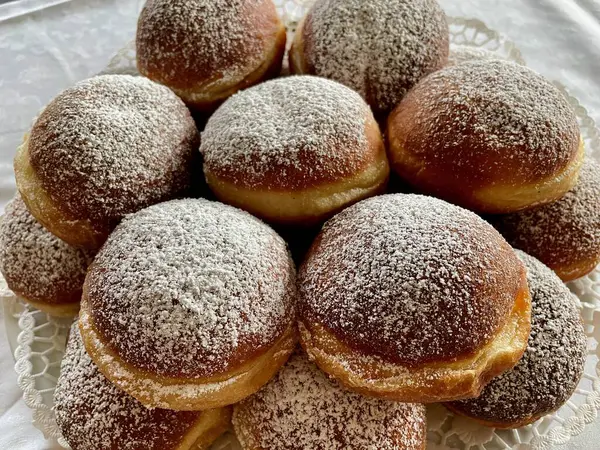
<point>300,408</point>
<point>273,136</point>
<point>392,44</point>
<point>308,207</point>
<point>551,367</point>
<point>103,148</point>
<point>266,150</point>
<point>93,414</point>
<point>206,52</point>
<point>185,394</point>
<point>77,232</point>
<point>564,235</point>
<point>309,197</point>
<point>493,198</point>
<point>410,279</point>
<point>57,310</point>
<point>190,304</point>
<point>428,383</point>
<point>41,269</point>
<point>310,171</point>
<point>474,334</point>
<point>492,136</point>
<point>237,360</point>
<point>579,269</point>
<point>501,425</point>
<point>215,286</point>
<point>413,299</point>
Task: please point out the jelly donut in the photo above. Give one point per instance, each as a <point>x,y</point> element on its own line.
<point>465,53</point>
<point>379,48</point>
<point>294,150</point>
<point>492,136</point>
<point>37,266</point>
<point>190,305</point>
<point>564,235</point>
<point>93,414</point>
<point>551,367</point>
<point>206,50</point>
<point>104,148</point>
<point>302,409</point>
<point>410,298</point>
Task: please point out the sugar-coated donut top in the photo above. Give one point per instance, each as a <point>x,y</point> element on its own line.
<point>191,288</point>
<point>111,145</point>
<point>93,414</point>
<point>562,232</point>
<point>552,365</point>
<point>288,133</point>
<point>380,48</point>
<point>487,122</point>
<point>410,279</point>
<point>190,43</point>
<point>301,409</point>
<point>464,53</point>
<point>36,264</point>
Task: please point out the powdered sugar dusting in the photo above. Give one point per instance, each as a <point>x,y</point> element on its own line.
<point>464,53</point>
<point>287,133</point>
<point>124,141</point>
<point>491,121</point>
<point>553,363</point>
<point>410,279</point>
<point>93,414</point>
<point>35,263</point>
<point>379,48</point>
<point>183,392</point>
<point>562,232</point>
<point>179,37</point>
<point>191,288</point>
<point>301,409</point>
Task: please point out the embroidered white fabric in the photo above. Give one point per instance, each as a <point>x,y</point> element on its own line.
<point>38,340</point>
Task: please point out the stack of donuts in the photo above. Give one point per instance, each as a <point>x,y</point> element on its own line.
<point>168,212</point>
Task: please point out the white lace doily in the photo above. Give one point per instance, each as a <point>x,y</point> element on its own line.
<point>38,340</point>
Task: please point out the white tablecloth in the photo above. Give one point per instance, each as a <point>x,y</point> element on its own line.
<point>45,51</point>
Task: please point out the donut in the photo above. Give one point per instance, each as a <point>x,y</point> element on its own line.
<point>93,414</point>
<point>190,305</point>
<point>294,150</point>
<point>38,267</point>
<point>301,409</point>
<point>564,235</point>
<point>379,48</point>
<point>410,298</point>
<point>465,53</point>
<point>551,367</point>
<point>106,147</point>
<point>206,50</point>
<point>491,136</point>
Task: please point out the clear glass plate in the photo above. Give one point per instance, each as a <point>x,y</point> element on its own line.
<point>38,340</point>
